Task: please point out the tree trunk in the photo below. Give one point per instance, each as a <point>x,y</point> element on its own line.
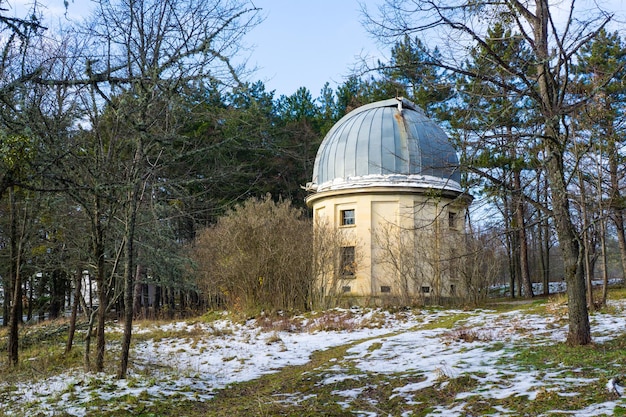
<point>128,299</point>
<point>544,237</point>
<point>517,270</point>
<point>87,364</point>
<point>101,289</point>
<point>128,308</point>
<point>546,267</point>
<point>617,203</point>
<point>138,293</point>
<point>100,324</point>
<point>579,327</point>
<point>524,269</point>
<point>57,296</point>
<point>618,220</point>
<point>588,269</point>
<point>31,299</point>
<point>157,301</point>
<point>510,244</point>
<point>6,305</point>
<point>14,272</point>
<point>605,267</point>
<point>134,199</point>
<point>77,293</point>
<point>586,241</point>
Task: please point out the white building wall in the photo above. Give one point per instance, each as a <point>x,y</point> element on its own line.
<point>412,213</point>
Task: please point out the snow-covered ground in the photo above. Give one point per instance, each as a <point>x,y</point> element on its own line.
<point>223,352</point>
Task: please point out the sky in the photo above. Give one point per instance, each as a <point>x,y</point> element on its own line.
<point>301,43</point>
<point>304,43</point>
<point>311,42</point>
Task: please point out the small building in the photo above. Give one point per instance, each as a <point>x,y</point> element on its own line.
<point>387,201</point>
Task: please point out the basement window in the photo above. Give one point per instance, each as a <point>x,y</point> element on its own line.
<point>346,288</point>
<point>385,288</point>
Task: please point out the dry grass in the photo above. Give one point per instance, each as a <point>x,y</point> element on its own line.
<point>280,323</point>
<point>332,320</point>
<point>465,334</point>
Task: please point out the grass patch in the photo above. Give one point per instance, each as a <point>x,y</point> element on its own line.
<point>588,368</point>
<point>568,378</point>
<point>212,316</point>
<point>593,358</point>
<point>42,354</point>
<point>449,321</point>
<point>307,391</point>
<point>374,347</point>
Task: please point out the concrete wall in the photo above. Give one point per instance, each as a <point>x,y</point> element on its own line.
<point>402,241</point>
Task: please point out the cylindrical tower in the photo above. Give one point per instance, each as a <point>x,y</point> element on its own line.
<point>386,183</point>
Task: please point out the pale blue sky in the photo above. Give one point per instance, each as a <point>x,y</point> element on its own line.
<point>305,43</point>
<point>301,43</point>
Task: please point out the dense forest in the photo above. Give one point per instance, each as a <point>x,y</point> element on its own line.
<point>127,138</point>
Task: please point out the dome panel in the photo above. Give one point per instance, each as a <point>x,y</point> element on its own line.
<point>351,139</point>
<point>389,142</point>
<point>375,146</point>
<point>362,157</point>
<point>389,146</point>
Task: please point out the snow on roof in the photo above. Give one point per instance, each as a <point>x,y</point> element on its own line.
<point>391,180</point>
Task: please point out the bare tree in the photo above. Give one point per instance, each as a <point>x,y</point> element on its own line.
<point>453,265</point>
<point>24,111</point>
<point>478,265</point>
<point>141,54</point>
<point>552,41</point>
<point>409,261</point>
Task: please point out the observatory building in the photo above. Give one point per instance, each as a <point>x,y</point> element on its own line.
<point>389,211</point>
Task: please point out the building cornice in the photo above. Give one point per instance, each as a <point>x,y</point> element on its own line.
<point>431,192</point>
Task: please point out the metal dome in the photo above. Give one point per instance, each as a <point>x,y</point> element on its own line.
<point>390,143</point>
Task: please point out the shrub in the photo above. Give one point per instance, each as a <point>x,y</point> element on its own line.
<point>257,257</point>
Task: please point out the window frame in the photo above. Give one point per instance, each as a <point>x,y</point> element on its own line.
<point>453,220</point>
<point>347,261</point>
<point>345,220</point>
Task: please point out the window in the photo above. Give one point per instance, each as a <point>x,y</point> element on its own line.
<point>347,217</point>
<point>346,288</point>
<point>348,265</point>
<point>452,220</point>
<point>385,288</point>
<point>426,290</point>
